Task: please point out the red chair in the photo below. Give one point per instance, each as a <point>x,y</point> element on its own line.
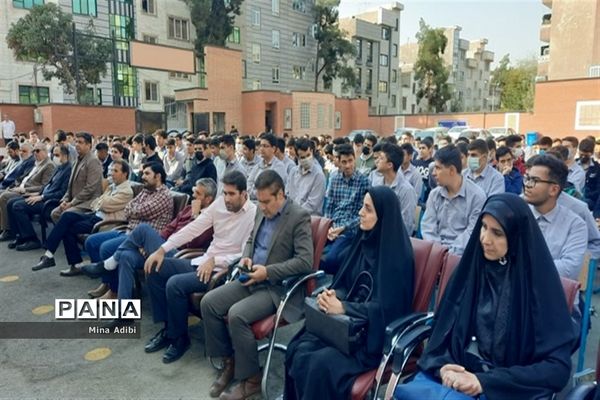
<point>429,258</point>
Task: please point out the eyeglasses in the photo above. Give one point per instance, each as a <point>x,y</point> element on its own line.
<point>531,181</point>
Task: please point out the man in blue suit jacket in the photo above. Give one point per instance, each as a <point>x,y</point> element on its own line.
<point>20,210</point>
<point>22,170</point>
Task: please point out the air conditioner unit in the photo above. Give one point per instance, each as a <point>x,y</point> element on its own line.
<point>37,116</point>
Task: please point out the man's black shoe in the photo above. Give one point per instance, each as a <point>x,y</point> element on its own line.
<point>6,236</point>
<point>176,349</point>
<point>94,270</point>
<point>158,342</point>
<point>15,243</point>
<point>45,262</point>
<point>71,271</point>
<point>29,245</point>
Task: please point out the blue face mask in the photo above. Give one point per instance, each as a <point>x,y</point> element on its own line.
<point>542,151</point>
<point>473,163</point>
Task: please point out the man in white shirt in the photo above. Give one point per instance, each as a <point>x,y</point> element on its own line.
<point>306,182</point>
<point>480,171</point>
<point>171,280</point>
<point>8,129</point>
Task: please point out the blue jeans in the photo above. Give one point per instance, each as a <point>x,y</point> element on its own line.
<point>423,386</point>
<point>101,246</point>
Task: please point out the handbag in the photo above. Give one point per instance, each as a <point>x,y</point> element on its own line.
<point>345,333</point>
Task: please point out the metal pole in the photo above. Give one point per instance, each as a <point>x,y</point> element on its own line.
<point>75,61</point>
<point>586,314</point>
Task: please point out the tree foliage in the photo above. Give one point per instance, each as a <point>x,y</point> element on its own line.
<point>333,49</point>
<point>47,38</point>
<point>516,84</point>
<point>430,71</point>
<point>213,20</point>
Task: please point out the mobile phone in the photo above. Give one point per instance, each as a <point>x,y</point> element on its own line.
<point>244,268</point>
<point>243,278</point>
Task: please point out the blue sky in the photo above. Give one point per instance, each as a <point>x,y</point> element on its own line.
<point>511,26</point>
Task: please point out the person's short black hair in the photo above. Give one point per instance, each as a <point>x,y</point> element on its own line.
<point>119,147</point>
<point>250,144</point>
<point>280,144</point>
<point>557,169</point>
<point>427,141</point>
<point>150,141</point>
<point>228,140</point>
<point>462,139</point>
<point>202,142</point>
<point>449,156</point>
<point>545,141</point>
<point>511,140</point>
<point>102,146</point>
<point>463,147</point>
<point>157,168</point>
<point>491,144</point>
<point>328,149</point>
<point>60,136</point>
<point>587,145</point>
<point>340,140</point>
<point>393,153</point>
<point>303,144</point>
<point>269,179</point>
<point>358,139</point>
<point>87,137</point>
<point>560,152</point>
<point>447,138</point>
<point>479,145</point>
<point>214,141</point>
<point>139,138</point>
<point>70,134</point>
<point>124,166</point>
<point>573,140</point>
<point>291,142</point>
<point>344,150</point>
<point>408,148</point>
<point>237,179</point>
<point>372,139</point>
<point>390,139</point>
<point>63,148</point>
<point>171,142</point>
<point>502,151</point>
<point>160,132</point>
<point>272,139</point>
<point>14,145</point>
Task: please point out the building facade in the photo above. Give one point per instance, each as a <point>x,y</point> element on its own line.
<point>376,37</point>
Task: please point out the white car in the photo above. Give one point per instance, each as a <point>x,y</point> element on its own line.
<point>455,131</point>
<point>363,132</point>
<point>400,131</point>
<point>498,131</point>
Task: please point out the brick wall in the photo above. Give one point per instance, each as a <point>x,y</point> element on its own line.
<point>21,115</point>
<point>93,119</point>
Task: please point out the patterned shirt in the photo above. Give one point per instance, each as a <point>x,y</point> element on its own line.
<point>345,198</point>
<point>154,207</point>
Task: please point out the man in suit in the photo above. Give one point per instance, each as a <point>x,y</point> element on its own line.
<point>20,210</point>
<point>109,206</point>
<point>280,246</point>
<point>85,183</point>
<point>33,182</point>
<point>22,169</point>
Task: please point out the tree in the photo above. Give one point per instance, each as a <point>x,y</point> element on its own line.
<point>213,20</point>
<point>333,49</point>
<point>430,72</point>
<point>516,84</point>
<point>47,37</point>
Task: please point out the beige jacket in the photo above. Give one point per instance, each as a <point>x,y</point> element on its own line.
<point>113,201</point>
<point>85,183</point>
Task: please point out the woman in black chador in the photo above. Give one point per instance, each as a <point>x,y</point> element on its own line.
<point>502,329</point>
<point>382,249</point>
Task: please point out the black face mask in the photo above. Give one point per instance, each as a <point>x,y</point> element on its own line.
<point>584,159</point>
<point>199,155</point>
<point>366,150</point>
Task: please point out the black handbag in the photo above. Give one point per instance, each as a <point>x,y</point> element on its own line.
<point>345,333</point>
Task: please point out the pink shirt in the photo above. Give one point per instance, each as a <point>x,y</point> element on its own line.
<point>231,232</point>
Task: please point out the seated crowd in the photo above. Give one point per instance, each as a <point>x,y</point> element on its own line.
<point>520,217</point>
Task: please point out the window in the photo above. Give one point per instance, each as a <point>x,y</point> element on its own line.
<point>84,7</point>
<point>256,17</point>
<point>414,88</point>
<point>338,120</point>
<point>275,74</point>
<point>305,115</point>
<point>298,39</point>
<point>479,93</point>
<point>149,39</point>
<point>395,50</point>
<point>149,7</point>
<point>461,75</point>
<point>34,95</point>
<point>404,102</point>
<point>369,51</point>
<point>27,3</point>
<point>126,84</point>
<point>369,79</point>
<point>394,76</point>
<point>299,5</point>
<point>320,116</point>
<point>234,36</point>
<point>275,39</point>
<point>359,49</point>
<point>330,117</point>
<point>383,60</point>
<point>121,27</point>
<point>412,108</point>
<point>275,7</point>
<point>480,74</point>
<point>298,72</point>
<point>244,72</point>
<point>256,52</point>
<point>370,100</point>
<point>201,73</point>
<point>385,33</point>
<point>470,74</point>
<point>179,28</point>
<point>91,97</point>
<point>587,115</point>
<point>151,91</point>
<point>256,85</point>
<point>394,101</point>
<point>397,24</point>
<point>358,78</point>
<point>179,75</point>
<point>383,86</point>
<point>594,71</point>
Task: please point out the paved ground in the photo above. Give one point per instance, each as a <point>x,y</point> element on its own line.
<point>57,369</point>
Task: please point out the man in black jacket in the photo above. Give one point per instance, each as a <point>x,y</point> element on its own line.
<point>202,167</point>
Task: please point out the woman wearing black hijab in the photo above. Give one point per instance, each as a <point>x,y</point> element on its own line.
<point>502,329</point>
<point>315,370</point>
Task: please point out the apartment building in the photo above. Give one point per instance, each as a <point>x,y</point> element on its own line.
<point>376,36</point>
<point>469,62</point>
<point>571,33</point>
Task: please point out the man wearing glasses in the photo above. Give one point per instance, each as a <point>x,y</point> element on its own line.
<point>565,232</point>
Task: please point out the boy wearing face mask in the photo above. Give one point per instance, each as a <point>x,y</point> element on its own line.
<point>365,163</point>
<point>202,167</point>
<point>480,172</point>
<point>591,190</point>
<point>306,181</point>
<point>515,144</point>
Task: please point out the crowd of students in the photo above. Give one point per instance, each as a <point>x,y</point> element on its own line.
<point>252,200</point>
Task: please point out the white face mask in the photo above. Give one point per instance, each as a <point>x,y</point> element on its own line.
<point>518,152</point>
<point>238,148</point>
<point>56,160</point>
<point>306,163</point>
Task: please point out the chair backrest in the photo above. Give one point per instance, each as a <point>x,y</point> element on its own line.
<point>450,263</point>
<point>571,289</point>
<point>136,187</point>
<point>429,257</point>
<point>179,202</point>
<point>319,227</point>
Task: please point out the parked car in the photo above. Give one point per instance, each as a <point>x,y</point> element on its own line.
<point>363,132</point>
<point>498,131</point>
<point>435,133</point>
<point>455,131</point>
<point>476,133</point>
<point>400,131</point>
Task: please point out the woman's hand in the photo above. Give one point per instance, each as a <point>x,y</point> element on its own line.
<point>329,303</point>
<point>457,378</point>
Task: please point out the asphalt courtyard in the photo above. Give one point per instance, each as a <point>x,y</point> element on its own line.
<point>104,368</point>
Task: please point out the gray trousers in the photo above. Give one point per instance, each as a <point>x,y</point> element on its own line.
<point>242,307</point>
